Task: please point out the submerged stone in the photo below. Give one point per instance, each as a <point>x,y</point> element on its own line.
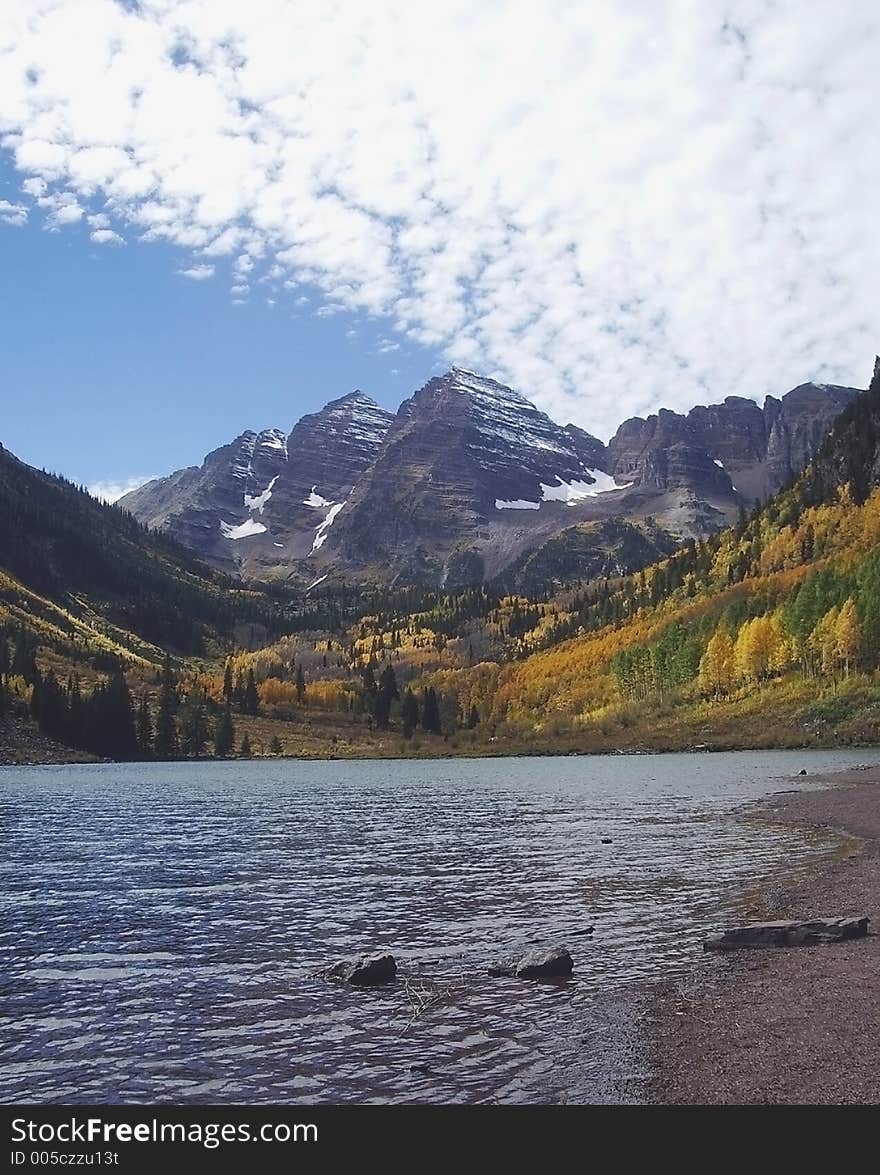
<point>551,964</point>
<point>364,972</point>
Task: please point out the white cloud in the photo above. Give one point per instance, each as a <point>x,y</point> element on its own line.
<point>14,214</point>
<point>106,236</point>
<point>112,491</point>
<point>613,205</point>
<point>197,273</point>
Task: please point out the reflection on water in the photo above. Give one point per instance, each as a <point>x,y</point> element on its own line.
<point>161,923</point>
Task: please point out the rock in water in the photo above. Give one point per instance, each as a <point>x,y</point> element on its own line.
<point>364,972</point>
<point>788,933</point>
<point>551,964</point>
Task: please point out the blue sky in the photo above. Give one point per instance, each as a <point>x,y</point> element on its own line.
<point>116,367</point>
<point>615,207</point>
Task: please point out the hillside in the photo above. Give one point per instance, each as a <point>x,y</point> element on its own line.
<point>765,634</point>
<point>62,551</point>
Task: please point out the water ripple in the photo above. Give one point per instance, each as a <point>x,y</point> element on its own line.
<point>161,924</point>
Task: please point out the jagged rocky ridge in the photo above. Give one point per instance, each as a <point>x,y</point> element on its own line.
<point>469,481</point>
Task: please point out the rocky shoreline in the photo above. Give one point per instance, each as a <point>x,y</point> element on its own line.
<point>787,1025</point>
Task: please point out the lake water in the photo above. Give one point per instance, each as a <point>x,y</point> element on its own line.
<point>161,924</point>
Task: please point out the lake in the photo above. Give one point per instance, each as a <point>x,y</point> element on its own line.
<point>162,923</point>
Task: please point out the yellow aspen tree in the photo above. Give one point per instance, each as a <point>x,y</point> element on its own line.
<point>742,655</point>
<point>847,637</point>
<point>717,665</point>
<point>823,641</point>
<point>780,649</point>
<point>756,648</point>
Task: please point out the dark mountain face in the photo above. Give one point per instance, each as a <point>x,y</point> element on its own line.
<point>754,450</point>
<point>262,501</point>
<point>465,461</point>
<point>470,477</point>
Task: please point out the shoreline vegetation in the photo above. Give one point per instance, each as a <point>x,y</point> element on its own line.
<point>29,747</point>
<point>786,1025</point>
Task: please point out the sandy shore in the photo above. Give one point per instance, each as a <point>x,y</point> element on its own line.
<point>787,1025</point>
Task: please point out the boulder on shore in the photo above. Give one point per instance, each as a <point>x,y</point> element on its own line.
<point>364,972</point>
<point>787,933</point>
<point>553,964</point>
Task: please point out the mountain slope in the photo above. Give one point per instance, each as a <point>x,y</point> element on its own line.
<point>60,546</point>
<point>470,478</point>
<point>766,634</point>
<point>254,506</point>
<point>465,461</point>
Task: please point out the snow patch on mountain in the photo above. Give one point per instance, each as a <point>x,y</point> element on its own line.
<point>259,501</point>
<point>273,438</point>
<point>516,504</point>
<point>569,492</point>
<point>244,530</point>
<point>314,499</point>
<point>572,492</point>
<point>321,531</point>
<point>315,582</point>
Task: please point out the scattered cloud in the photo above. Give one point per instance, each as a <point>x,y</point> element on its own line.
<point>106,236</point>
<point>197,273</point>
<point>112,491</point>
<point>611,205</point>
<point>14,214</point>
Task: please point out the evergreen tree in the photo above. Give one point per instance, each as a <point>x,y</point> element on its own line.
<point>246,752</point>
<point>193,723</point>
<point>144,726</point>
<point>114,714</point>
<point>473,718</point>
<point>251,697</point>
<point>48,705</point>
<point>386,694</point>
<point>369,690</point>
<point>166,719</point>
<point>224,733</point>
<point>409,713</point>
<point>300,682</point>
<point>431,712</point>
<point>275,747</point>
<point>228,687</point>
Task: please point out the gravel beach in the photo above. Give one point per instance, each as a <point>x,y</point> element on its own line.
<point>787,1025</point>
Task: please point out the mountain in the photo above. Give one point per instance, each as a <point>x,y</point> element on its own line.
<point>764,634</point>
<point>470,474</point>
<point>469,480</point>
<point>258,504</point>
<point>757,450</point>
